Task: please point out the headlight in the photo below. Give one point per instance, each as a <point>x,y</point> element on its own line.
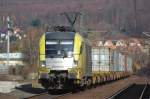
<point>69,54</point>
<point>43,64</point>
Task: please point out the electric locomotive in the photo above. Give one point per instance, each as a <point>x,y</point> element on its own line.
<point>64,61</point>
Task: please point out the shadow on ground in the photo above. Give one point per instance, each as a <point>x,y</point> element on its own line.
<point>28,88</point>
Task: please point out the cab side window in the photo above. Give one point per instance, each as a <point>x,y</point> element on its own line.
<point>81,47</point>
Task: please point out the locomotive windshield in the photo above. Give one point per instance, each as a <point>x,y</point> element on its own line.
<point>59,48</point>
<point>67,45</point>
<point>51,47</point>
<point>59,44</point>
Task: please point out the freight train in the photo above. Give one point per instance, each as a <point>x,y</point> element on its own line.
<point>68,60</point>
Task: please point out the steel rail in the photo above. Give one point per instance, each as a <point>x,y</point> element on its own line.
<point>36,95</point>
<point>53,96</point>
<point>120,91</point>
<point>61,95</point>
<point>141,96</point>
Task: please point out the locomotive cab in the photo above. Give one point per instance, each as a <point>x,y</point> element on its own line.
<point>60,60</point>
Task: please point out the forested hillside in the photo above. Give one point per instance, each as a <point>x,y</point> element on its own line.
<point>129,16</point>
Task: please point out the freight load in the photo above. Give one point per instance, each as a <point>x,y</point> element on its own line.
<point>107,59</point>
<point>102,59</point>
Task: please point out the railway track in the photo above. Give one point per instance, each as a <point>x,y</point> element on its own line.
<point>46,95</point>
<point>133,91</point>
<point>54,95</point>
